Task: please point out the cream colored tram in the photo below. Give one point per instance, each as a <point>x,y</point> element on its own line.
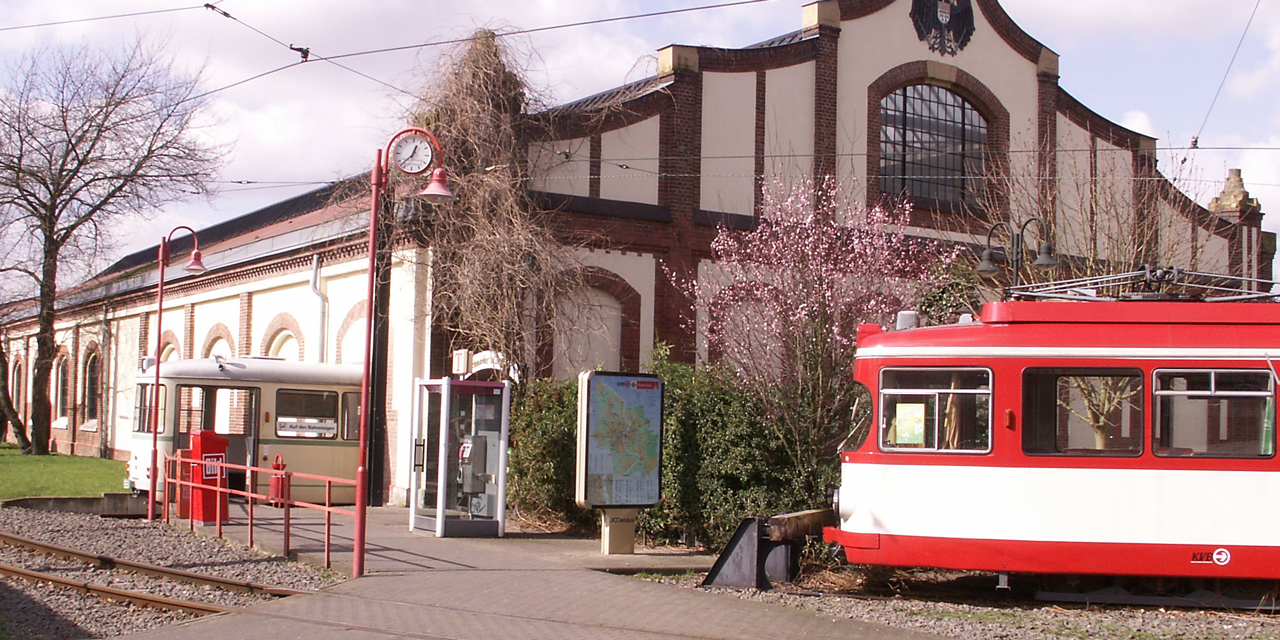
<point>305,413</point>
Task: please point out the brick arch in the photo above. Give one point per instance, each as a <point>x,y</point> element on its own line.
<point>169,339</point>
<point>284,321</point>
<point>62,358</point>
<point>953,79</point>
<point>91,350</point>
<point>18,376</point>
<point>219,331</point>
<point>355,315</point>
<point>626,295</point>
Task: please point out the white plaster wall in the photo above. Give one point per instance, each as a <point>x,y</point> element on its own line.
<point>1178,238</point>
<point>406,362</point>
<point>296,300</point>
<point>788,123</point>
<point>1071,228</point>
<point>1117,216</point>
<point>122,392</point>
<point>872,45</point>
<point>1215,253</point>
<point>641,271</point>
<point>636,147</point>
<point>208,314</point>
<point>588,334</point>
<point>173,320</point>
<point>553,172</point>
<point>728,142</point>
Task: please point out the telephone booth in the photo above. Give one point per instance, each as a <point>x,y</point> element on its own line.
<point>459,466</point>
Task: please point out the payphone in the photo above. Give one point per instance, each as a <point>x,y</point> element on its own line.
<point>458,488</point>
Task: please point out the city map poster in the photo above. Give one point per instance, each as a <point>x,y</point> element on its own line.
<point>619,440</point>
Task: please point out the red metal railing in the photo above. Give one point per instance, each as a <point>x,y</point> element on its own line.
<point>284,499</point>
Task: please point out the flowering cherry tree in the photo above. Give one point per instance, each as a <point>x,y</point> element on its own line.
<point>780,306</point>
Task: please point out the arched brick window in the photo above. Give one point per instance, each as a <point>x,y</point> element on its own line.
<point>62,388</point>
<point>92,386</point>
<point>937,135</point>
<point>932,147</point>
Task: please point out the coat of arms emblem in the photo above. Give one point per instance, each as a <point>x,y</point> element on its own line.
<point>946,25</point>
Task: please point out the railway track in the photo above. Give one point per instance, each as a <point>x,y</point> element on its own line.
<point>103,568</point>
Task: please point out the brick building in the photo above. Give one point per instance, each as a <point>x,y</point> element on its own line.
<point>944,102</point>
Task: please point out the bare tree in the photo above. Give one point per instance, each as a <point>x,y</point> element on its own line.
<point>1107,211</point>
<point>498,268</point>
<point>88,138</point>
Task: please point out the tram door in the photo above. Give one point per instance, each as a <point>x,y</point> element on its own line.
<point>458,486</point>
<point>227,411</point>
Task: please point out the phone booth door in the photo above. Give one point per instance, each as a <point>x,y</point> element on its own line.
<point>458,488</point>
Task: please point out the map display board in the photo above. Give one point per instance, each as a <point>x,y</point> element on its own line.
<point>619,440</point>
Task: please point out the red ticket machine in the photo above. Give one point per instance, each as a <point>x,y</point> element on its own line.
<point>208,447</point>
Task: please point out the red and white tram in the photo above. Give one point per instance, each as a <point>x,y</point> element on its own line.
<point>1115,437</point>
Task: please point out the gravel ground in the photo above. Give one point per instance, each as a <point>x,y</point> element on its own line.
<point>984,616</point>
<point>30,610</point>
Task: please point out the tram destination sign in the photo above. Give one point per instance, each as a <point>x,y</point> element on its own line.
<point>619,440</point>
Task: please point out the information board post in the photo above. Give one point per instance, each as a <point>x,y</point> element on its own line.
<point>618,531</point>
<point>619,468</point>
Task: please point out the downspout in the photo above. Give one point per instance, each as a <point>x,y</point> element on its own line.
<point>106,413</point>
<point>324,306</point>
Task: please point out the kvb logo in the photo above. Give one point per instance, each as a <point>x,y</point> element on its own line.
<point>1220,557</point>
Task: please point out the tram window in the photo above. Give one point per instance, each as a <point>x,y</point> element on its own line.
<point>190,408</point>
<point>350,416</point>
<point>935,410</point>
<point>1093,412</point>
<point>142,409</point>
<point>223,410</point>
<point>306,414</point>
<point>1214,414</point>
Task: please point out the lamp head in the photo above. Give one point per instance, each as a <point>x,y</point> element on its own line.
<point>1044,258</point>
<point>196,266</point>
<point>987,267</point>
<point>437,191</point>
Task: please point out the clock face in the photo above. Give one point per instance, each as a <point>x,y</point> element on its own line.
<point>413,154</point>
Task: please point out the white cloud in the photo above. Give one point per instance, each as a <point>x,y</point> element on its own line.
<point>1139,121</point>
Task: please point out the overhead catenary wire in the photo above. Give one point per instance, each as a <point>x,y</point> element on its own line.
<point>1196,140</point>
<point>134,14</point>
<point>518,32</point>
<point>306,52</point>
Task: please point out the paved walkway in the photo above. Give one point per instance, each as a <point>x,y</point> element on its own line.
<point>521,586</point>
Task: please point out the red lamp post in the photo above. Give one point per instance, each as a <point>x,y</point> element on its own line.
<point>195,267</point>
<point>413,150</point>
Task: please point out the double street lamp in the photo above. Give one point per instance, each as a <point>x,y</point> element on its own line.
<point>195,267</point>
<point>1017,242</point>
<point>413,150</point>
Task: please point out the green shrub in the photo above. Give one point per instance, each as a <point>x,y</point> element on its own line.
<point>544,422</point>
<point>719,462</point>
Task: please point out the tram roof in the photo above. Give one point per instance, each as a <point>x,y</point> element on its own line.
<point>1028,326</point>
<point>258,370</point>
<point>1121,312</point>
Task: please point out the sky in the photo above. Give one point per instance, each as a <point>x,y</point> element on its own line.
<point>1151,65</point>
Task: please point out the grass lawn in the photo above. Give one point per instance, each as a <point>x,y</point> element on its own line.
<point>56,475</point>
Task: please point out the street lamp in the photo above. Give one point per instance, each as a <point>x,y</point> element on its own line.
<point>195,267</point>
<point>1044,257</point>
<point>413,150</point>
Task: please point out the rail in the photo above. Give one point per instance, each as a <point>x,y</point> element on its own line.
<point>168,573</point>
<point>119,595</point>
<point>283,498</point>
